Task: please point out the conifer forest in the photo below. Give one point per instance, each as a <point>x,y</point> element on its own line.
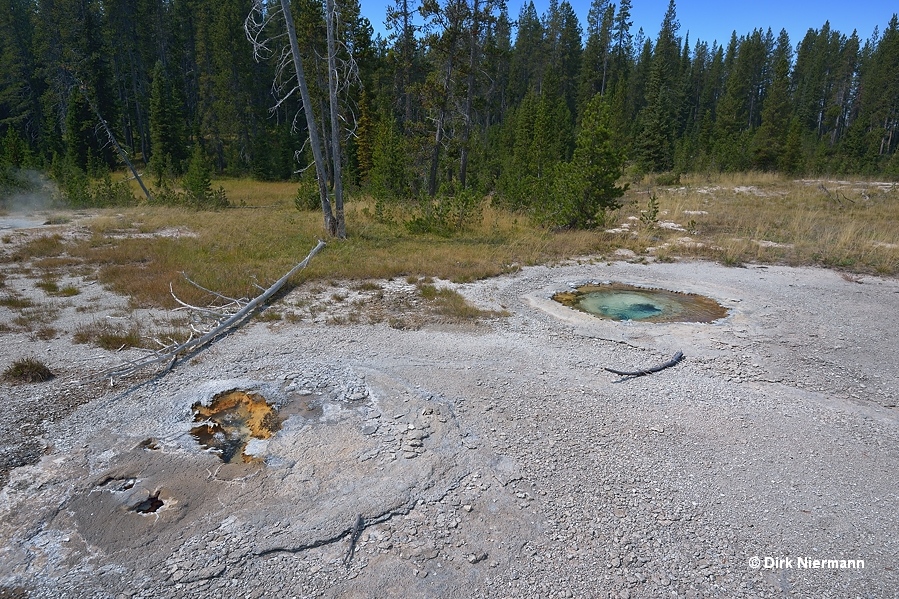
<point>460,98</point>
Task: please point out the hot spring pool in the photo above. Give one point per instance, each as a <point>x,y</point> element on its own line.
<point>617,301</point>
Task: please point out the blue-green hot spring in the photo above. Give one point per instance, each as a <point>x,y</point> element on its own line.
<point>617,301</point>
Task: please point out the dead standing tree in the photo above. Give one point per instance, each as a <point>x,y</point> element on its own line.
<point>112,138</point>
<point>330,18</point>
<point>266,27</point>
<point>68,80</point>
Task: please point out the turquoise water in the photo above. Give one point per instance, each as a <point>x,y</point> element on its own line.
<point>630,305</point>
<point>617,301</point>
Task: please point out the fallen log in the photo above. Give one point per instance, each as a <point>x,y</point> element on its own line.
<point>677,358</point>
<point>169,355</point>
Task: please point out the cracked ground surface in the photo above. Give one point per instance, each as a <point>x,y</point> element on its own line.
<point>495,459</point>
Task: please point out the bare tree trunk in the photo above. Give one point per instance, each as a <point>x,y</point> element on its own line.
<point>114,141</point>
<point>836,126</point>
<point>890,138</point>
<point>335,124</point>
<point>326,139</point>
<point>435,155</point>
<point>169,355</point>
<point>407,63</point>
<point>315,142</point>
<point>472,64</point>
<point>441,118</point>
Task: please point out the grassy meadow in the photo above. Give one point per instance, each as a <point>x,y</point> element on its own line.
<point>734,219</point>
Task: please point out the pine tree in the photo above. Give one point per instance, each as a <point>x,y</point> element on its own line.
<point>168,139</point>
<point>791,159</point>
<point>526,63</point>
<point>877,123</point>
<point>400,21</point>
<point>768,144</point>
<point>497,56</point>
<point>621,34</point>
<point>596,60</point>
<point>738,112</point>
<point>74,65</point>
<point>655,144</point>
<point>565,61</point>
<point>19,107</point>
<point>364,142</point>
<point>126,24</point>
<point>78,134</point>
<point>585,188</point>
<point>227,112</point>
<point>389,175</point>
<point>14,152</point>
<point>197,183</point>
<point>516,176</point>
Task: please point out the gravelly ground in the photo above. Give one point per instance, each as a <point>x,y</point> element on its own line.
<point>489,460</point>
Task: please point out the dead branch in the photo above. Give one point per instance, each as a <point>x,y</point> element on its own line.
<point>677,358</point>
<point>231,300</point>
<point>845,197</point>
<point>354,538</point>
<point>837,196</point>
<point>169,355</point>
<point>207,311</point>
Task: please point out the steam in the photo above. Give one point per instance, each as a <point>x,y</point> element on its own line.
<point>33,192</point>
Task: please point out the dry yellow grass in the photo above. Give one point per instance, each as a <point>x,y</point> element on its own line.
<point>730,218</point>
<point>844,224</point>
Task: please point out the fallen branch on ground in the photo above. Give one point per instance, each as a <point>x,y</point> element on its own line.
<point>169,355</point>
<point>677,358</point>
<point>354,538</point>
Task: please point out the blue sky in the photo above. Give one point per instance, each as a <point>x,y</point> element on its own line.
<point>711,20</point>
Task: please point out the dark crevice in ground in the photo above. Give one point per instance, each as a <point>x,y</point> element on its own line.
<point>400,510</point>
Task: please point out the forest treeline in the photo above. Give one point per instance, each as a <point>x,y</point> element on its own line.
<point>459,97</point>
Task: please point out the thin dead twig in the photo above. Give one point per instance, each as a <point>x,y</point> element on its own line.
<point>215,293</point>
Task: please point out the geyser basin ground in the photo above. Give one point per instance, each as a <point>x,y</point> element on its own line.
<point>617,301</point>
<point>777,436</point>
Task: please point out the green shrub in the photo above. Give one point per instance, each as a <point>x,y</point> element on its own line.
<point>198,185</point>
<point>668,179</point>
<point>450,212</point>
<point>649,218</point>
<point>307,198</point>
<point>108,193</point>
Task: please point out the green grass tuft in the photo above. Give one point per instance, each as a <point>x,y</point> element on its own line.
<point>15,302</point>
<point>108,336</point>
<point>27,370</point>
<point>452,304</point>
<point>49,285</point>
